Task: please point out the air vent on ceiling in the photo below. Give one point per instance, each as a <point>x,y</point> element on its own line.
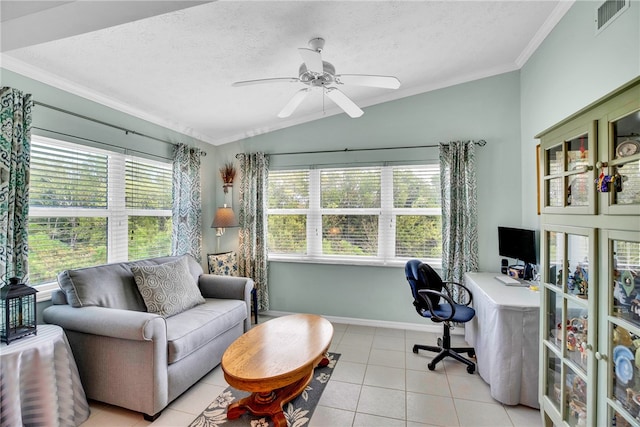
<point>608,11</point>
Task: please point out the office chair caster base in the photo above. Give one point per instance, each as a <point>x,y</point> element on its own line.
<point>415,349</point>
<point>431,366</point>
<point>471,369</point>
<point>439,342</point>
<point>471,353</point>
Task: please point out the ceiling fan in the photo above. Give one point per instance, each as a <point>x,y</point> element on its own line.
<point>316,73</point>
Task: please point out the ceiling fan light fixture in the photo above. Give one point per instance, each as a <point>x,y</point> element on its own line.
<point>314,72</point>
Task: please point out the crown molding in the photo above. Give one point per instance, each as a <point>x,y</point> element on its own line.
<point>42,76</point>
<point>558,12</point>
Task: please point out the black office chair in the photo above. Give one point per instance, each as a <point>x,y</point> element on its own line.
<point>428,291</point>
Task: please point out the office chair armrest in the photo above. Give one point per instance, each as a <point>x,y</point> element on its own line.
<point>447,298</point>
<point>459,285</point>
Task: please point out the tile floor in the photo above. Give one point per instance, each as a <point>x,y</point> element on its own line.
<point>378,381</point>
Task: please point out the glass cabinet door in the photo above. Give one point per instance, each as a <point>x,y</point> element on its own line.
<point>623,171</point>
<point>567,338</point>
<point>619,351</point>
<point>568,176</point>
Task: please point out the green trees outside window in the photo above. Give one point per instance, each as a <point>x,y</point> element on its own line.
<point>379,213</point>
<point>89,206</point>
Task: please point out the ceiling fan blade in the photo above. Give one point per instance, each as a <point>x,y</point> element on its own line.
<point>261,81</point>
<point>387,82</point>
<point>344,102</point>
<point>294,102</point>
<point>312,59</point>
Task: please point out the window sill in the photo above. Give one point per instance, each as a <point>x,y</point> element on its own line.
<point>356,261</point>
<point>45,290</point>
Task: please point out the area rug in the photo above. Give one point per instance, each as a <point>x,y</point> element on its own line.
<point>297,412</point>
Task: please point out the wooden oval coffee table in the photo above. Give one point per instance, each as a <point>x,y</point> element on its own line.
<point>275,361</point>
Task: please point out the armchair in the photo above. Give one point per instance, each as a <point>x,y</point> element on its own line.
<point>433,298</point>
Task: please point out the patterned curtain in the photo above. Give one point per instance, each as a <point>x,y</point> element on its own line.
<point>459,209</point>
<point>15,137</point>
<point>187,207</point>
<point>252,257</point>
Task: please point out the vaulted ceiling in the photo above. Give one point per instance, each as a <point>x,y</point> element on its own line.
<point>173,62</point>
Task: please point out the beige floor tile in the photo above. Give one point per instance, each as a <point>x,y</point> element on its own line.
<point>325,416</point>
<point>435,410</point>
<point>340,395</point>
<point>523,416</point>
<point>349,372</point>
<point>390,332</point>
<point>339,327</point>
<point>114,416</point>
<point>215,377</point>
<point>197,398</point>
<point>391,358</point>
<point>384,376</point>
<point>351,353</point>
<point>337,338</point>
<point>480,414</point>
<point>367,420</point>
<point>428,382</point>
<point>359,329</point>
<point>382,401</point>
<point>471,387</point>
<point>418,362</point>
<point>360,340</point>
<point>385,342</point>
<point>173,418</point>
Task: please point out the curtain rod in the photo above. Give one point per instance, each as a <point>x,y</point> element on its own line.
<point>126,150</point>
<point>480,142</point>
<point>82,116</point>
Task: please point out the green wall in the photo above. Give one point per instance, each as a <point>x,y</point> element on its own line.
<point>570,70</point>
<point>484,109</point>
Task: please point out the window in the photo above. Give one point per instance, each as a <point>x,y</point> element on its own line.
<point>375,214</point>
<point>89,206</point>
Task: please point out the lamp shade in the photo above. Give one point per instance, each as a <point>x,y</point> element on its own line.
<point>224,218</point>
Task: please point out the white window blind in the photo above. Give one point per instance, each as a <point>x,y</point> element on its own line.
<point>90,206</point>
<point>148,202</point>
<point>288,205</point>
<point>378,214</point>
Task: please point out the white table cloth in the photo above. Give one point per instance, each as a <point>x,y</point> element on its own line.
<point>505,336</point>
<point>39,381</point>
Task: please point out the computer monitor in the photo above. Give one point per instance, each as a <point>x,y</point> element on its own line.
<point>517,243</point>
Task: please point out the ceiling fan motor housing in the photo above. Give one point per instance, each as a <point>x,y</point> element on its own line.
<point>317,80</point>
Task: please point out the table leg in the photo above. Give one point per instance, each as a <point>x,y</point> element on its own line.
<point>254,296</point>
<point>269,403</point>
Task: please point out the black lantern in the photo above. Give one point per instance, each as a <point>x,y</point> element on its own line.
<point>18,311</point>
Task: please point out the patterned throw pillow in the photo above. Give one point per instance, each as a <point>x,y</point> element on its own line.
<point>167,289</point>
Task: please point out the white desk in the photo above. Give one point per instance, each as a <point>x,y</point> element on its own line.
<point>505,335</point>
<point>40,382</point>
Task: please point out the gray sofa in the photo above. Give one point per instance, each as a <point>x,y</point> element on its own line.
<point>138,360</point>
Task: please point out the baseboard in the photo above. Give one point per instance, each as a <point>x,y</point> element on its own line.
<point>428,327</point>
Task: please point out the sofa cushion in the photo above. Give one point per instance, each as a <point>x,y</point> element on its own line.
<point>188,331</point>
<point>167,289</point>
<point>194,266</point>
<point>109,285</point>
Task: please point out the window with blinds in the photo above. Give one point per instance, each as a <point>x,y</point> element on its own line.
<point>89,206</point>
<point>380,214</point>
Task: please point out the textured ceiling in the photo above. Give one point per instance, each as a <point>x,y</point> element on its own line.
<point>175,68</point>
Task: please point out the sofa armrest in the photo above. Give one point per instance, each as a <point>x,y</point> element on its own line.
<point>108,322</point>
<point>228,287</point>
<point>225,287</point>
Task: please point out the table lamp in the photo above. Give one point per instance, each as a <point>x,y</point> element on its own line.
<point>224,218</point>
